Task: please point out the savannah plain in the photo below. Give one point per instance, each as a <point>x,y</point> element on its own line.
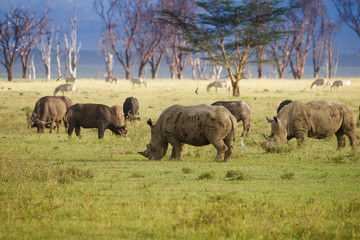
<point>57,187</point>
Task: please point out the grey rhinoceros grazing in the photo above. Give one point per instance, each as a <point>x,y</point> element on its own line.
<point>314,119</point>
<point>195,125</point>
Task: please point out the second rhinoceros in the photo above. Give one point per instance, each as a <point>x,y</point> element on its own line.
<point>195,125</point>
<point>313,119</point>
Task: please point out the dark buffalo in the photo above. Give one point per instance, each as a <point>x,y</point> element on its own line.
<point>241,111</point>
<point>131,108</point>
<point>94,116</point>
<point>49,110</point>
<point>314,119</point>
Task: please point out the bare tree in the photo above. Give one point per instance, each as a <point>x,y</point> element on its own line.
<point>32,71</point>
<point>303,20</point>
<point>157,58</point>
<point>149,34</point>
<point>71,46</point>
<point>176,57</point>
<point>11,32</point>
<point>33,28</point>
<point>107,14</point>
<point>58,51</point>
<point>319,47</point>
<point>282,49</point>
<point>349,11</point>
<point>121,26</point>
<point>45,47</point>
<point>332,29</point>
<point>193,63</point>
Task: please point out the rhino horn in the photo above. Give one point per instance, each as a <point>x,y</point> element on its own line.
<point>269,120</point>
<point>259,144</point>
<point>143,154</point>
<point>266,137</point>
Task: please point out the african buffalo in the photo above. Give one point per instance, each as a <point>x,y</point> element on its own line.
<point>314,119</point>
<point>241,111</point>
<point>195,125</point>
<point>49,110</point>
<point>131,108</point>
<point>94,116</point>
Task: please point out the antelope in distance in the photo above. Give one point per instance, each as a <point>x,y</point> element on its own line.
<point>321,82</point>
<point>110,79</point>
<point>138,80</point>
<point>66,88</point>
<point>219,84</point>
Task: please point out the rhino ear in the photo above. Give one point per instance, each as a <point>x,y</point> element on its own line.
<point>269,120</point>
<point>149,122</point>
<point>275,119</point>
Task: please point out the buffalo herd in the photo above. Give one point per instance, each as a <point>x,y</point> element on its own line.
<point>200,125</point>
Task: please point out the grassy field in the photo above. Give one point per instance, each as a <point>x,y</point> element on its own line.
<point>57,187</point>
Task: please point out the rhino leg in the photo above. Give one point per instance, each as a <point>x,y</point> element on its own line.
<point>176,153</point>
<point>221,149</point>
<point>229,144</point>
<point>246,127</point>
<point>352,137</point>
<point>341,139</point>
<point>300,137</point>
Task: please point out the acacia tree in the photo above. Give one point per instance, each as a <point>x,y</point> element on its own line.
<point>229,32</point>
<point>349,11</point>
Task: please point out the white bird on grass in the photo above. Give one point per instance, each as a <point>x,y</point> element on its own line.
<point>242,144</point>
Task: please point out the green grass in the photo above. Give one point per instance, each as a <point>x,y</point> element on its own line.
<point>56,187</point>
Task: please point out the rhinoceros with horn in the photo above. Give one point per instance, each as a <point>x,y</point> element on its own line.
<point>195,125</point>
<point>314,119</point>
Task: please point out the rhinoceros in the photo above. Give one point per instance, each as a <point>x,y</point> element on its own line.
<point>195,125</point>
<point>241,111</point>
<point>314,119</point>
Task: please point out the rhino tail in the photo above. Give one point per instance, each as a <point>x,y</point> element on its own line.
<point>233,129</point>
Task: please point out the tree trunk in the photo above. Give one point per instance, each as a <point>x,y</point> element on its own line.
<point>236,89</point>
<point>180,75</point>
<point>10,72</point>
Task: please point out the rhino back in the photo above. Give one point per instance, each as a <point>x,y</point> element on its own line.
<point>240,109</point>
<point>318,118</point>
<point>195,124</point>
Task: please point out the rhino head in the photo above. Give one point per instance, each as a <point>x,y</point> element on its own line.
<point>278,133</point>
<point>157,147</point>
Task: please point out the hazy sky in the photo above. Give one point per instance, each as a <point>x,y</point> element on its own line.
<point>89,23</point>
